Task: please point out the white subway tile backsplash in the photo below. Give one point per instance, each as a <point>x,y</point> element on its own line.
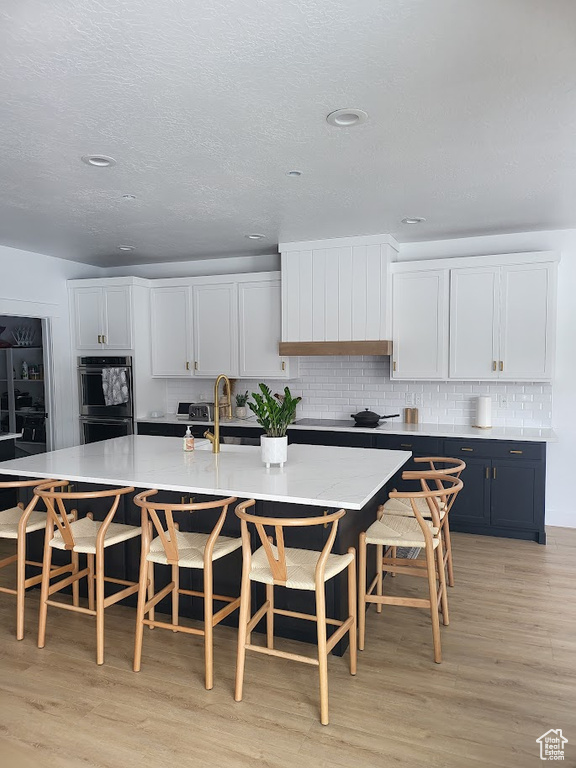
<point>335,386</point>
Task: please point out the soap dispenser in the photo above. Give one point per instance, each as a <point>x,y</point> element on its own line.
<point>188,443</point>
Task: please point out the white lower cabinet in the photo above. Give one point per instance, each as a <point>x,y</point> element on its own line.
<point>215,329</point>
<point>420,325</point>
<point>171,331</point>
<point>259,313</point>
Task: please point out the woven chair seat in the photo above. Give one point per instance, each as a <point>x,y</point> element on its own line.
<point>191,549</point>
<point>85,532</point>
<point>300,567</point>
<point>9,519</point>
<point>398,531</point>
<point>404,507</point>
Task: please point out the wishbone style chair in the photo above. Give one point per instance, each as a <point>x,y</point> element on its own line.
<point>82,536</point>
<point>391,531</point>
<point>439,465</point>
<point>16,523</point>
<point>274,564</point>
<point>179,549</point>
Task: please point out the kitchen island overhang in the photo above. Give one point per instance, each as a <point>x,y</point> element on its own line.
<point>326,477</point>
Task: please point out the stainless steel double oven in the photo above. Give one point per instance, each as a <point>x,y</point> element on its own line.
<point>99,421</point>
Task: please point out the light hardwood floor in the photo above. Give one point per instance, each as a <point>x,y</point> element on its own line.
<point>508,675</point>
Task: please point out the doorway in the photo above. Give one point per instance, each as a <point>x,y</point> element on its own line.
<point>25,382</point>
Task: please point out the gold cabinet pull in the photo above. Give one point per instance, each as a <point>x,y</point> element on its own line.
<point>493,473</point>
<point>501,365</point>
<point>518,452</point>
<point>494,365</point>
<point>187,365</point>
<point>104,340</point>
<point>467,449</point>
<point>487,473</point>
<point>283,365</point>
<point>195,365</point>
<point>405,445</point>
<point>99,338</point>
<point>394,366</point>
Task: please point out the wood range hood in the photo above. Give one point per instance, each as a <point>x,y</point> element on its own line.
<point>309,348</point>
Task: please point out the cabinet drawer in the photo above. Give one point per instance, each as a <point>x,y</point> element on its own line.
<point>519,450</point>
<point>423,446</point>
<point>489,449</point>
<point>324,437</point>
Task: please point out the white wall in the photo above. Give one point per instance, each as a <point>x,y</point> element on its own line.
<point>560,498</point>
<point>232,265</point>
<point>34,285</point>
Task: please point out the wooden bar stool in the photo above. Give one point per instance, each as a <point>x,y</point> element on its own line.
<point>275,564</point>
<point>439,465</point>
<point>182,550</point>
<point>392,531</point>
<point>82,536</point>
<point>16,523</point>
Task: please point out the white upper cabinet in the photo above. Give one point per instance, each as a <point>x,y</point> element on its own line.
<point>118,317</point>
<point>527,321</point>
<point>102,317</point>
<point>260,316</point>
<point>336,290</point>
<point>215,329</point>
<point>502,322</point>
<point>474,317</point>
<point>171,331</point>
<point>88,317</point>
<point>420,325</point>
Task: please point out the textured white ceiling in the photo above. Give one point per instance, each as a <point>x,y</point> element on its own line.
<point>207,105</point>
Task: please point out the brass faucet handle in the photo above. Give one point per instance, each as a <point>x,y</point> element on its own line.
<point>209,436</point>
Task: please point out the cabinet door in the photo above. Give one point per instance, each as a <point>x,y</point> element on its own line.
<point>472,505</point>
<point>118,317</point>
<point>259,319</point>
<point>171,331</point>
<point>420,325</point>
<point>517,494</point>
<point>474,309</point>
<point>88,317</point>
<point>526,321</point>
<point>216,329</point>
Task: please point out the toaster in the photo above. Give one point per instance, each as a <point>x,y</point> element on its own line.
<point>201,412</point>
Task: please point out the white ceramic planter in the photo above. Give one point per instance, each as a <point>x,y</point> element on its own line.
<point>241,411</point>
<point>274,450</point>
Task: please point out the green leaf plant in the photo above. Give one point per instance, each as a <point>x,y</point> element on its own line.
<point>274,413</point>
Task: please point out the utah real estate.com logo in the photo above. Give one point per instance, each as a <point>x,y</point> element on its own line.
<point>552,744</point>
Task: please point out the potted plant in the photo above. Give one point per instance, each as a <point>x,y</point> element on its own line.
<point>241,400</point>
<point>274,413</point>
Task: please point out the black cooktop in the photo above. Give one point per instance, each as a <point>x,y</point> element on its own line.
<point>334,423</point>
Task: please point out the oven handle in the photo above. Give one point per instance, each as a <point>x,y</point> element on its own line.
<point>93,420</point>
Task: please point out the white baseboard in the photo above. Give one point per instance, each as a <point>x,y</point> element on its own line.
<point>563,518</point>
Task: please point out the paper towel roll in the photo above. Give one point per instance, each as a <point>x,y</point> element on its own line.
<point>484,412</point>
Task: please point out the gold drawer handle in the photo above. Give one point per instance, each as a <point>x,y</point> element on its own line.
<point>405,445</point>
<point>501,365</point>
<point>487,473</point>
<point>467,449</point>
<point>519,452</point>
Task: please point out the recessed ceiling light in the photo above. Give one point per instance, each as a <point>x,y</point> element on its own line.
<point>255,237</point>
<point>125,247</point>
<point>99,161</point>
<point>413,220</point>
<point>294,174</point>
<point>346,118</point>
<point>129,197</point>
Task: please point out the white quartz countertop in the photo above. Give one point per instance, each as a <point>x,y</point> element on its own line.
<point>531,434</point>
<point>323,476</point>
<point>10,435</point>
